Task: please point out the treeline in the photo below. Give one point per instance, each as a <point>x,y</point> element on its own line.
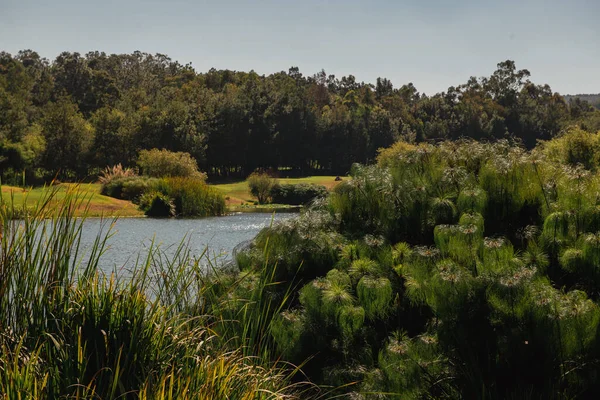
<point>79,114</point>
<point>593,99</point>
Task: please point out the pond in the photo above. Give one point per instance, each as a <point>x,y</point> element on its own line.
<point>215,237</point>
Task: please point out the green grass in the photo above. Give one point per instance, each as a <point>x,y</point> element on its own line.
<point>98,205</point>
<point>164,332</point>
<point>239,192</point>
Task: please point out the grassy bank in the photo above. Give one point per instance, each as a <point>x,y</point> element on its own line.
<point>238,196</point>
<point>96,205</point>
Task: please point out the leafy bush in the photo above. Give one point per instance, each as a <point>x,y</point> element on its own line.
<point>188,197</point>
<point>133,189</point>
<point>296,194</point>
<point>495,278</point>
<point>192,197</point>
<point>129,188</point>
<point>388,157</point>
<point>260,185</point>
<point>164,163</point>
<point>157,204</point>
<point>576,146</point>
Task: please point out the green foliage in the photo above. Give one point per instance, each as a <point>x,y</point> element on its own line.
<point>362,267</point>
<point>363,202</point>
<point>574,147</point>
<point>157,204</point>
<point>389,156</point>
<point>192,197</point>
<point>335,297</point>
<point>232,123</point>
<point>261,186</point>
<point>303,247</point>
<point>494,245</point>
<point>443,211</point>
<point>164,163</point>
<point>129,188</point>
<point>351,319</point>
<point>188,197</point>
<point>412,369</point>
<point>400,254</point>
<point>68,331</point>
<point>472,201</point>
<point>68,136</point>
<point>287,330</point>
<point>374,295</point>
<point>340,278</point>
<point>296,194</point>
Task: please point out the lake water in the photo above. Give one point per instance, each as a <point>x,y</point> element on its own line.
<point>214,236</point>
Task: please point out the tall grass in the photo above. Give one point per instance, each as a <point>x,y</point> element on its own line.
<point>69,331</point>
<point>460,270</point>
<point>193,197</point>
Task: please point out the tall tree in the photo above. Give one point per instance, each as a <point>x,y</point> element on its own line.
<point>68,137</point>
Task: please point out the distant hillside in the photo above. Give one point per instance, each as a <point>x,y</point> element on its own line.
<point>593,99</point>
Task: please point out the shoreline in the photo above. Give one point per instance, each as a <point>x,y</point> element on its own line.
<point>96,205</point>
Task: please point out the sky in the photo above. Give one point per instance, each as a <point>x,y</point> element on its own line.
<point>432,43</point>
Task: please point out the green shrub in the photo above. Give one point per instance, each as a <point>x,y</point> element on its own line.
<point>574,147</point>
<point>374,295</point>
<point>129,188</point>
<point>298,194</point>
<point>157,204</point>
<point>133,189</point>
<point>113,188</point>
<point>193,197</point>
<point>389,156</point>
<point>260,185</point>
<point>164,163</point>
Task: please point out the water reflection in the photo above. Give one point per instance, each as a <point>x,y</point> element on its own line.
<point>216,236</point>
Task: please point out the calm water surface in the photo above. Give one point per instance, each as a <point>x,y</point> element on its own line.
<point>214,236</point>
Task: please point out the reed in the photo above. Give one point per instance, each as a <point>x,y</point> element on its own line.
<point>69,331</point>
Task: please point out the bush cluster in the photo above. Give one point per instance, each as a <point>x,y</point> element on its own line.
<point>457,270</point>
<point>129,188</point>
<point>164,163</point>
<point>192,197</point>
<point>261,184</point>
<point>296,194</point>
<point>175,187</point>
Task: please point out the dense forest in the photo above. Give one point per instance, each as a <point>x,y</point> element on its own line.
<point>79,114</point>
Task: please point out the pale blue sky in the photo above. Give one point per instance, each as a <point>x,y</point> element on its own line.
<point>434,44</point>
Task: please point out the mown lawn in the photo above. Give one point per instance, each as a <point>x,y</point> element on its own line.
<point>238,193</point>
<point>96,204</point>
